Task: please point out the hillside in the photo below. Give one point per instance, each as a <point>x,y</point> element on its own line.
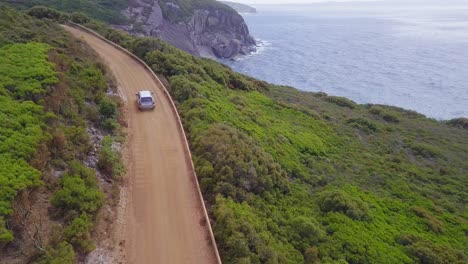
<point>105,10</point>
<point>57,129</point>
<point>292,176</point>
<point>204,28</point>
<point>295,177</point>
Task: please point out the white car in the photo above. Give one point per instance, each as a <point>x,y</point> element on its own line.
<point>145,100</point>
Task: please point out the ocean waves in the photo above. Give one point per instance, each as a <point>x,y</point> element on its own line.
<point>395,58</point>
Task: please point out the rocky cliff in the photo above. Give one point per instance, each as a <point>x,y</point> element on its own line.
<point>207,30</point>
<point>240,8</point>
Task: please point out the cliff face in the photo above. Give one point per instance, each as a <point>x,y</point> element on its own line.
<point>205,31</point>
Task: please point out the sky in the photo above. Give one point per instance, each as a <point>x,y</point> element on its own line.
<point>259,2</point>
<point>254,2</point>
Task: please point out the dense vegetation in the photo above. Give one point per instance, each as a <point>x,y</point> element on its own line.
<point>105,10</point>
<point>110,10</point>
<point>294,177</point>
<point>51,91</point>
<point>21,122</point>
<point>181,10</point>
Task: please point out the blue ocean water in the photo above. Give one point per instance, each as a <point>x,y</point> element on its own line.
<point>409,56</point>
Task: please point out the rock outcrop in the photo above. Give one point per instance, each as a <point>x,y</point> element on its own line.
<point>240,8</point>
<point>206,32</point>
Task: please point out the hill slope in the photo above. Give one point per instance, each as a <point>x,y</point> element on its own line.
<point>57,129</point>
<point>204,28</point>
<point>105,10</point>
<point>294,177</point>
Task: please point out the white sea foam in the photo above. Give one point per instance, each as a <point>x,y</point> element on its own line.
<point>262,45</point>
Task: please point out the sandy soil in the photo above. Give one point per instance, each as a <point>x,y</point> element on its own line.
<point>163,219</point>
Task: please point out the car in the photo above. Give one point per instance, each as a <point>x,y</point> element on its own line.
<point>145,100</point>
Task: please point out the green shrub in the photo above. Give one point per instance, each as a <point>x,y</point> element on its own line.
<point>15,175</point>
<point>109,162</point>
<point>78,233</point>
<point>76,195</point>
<point>117,36</point>
<point>92,81</point>
<point>63,253</point>
<point>166,63</point>
<point>305,232</point>
<point>79,18</point>
<point>85,173</point>
<point>311,255</point>
<point>237,164</point>
<point>25,74</point>
<point>390,117</point>
<point>238,82</point>
<point>433,223</point>
<point>109,111</point>
<point>341,101</point>
<point>242,238</point>
<point>49,13</point>
<point>108,108</point>
<point>20,127</point>
<point>386,114</point>
<point>21,121</point>
<point>27,78</point>
<point>459,122</point>
<point>363,124</point>
<point>340,201</point>
<point>92,113</point>
<point>217,73</point>
<point>425,151</point>
<point>110,124</point>
<point>183,89</point>
<point>142,46</point>
<point>78,140</point>
<point>5,234</point>
<point>424,251</point>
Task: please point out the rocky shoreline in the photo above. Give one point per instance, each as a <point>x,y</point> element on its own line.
<point>208,32</point>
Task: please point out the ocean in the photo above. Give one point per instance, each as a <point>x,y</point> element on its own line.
<point>412,57</point>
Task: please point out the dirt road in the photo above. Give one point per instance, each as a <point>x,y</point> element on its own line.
<point>165,221</point>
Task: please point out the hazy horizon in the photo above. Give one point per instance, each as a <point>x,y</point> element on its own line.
<point>302,2</point>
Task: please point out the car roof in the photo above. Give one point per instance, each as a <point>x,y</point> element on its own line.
<point>145,94</point>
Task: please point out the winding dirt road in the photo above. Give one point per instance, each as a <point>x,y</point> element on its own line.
<point>165,221</point>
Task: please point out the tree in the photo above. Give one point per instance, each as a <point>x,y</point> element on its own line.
<point>49,13</point>
<point>79,18</point>
<point>61,254</point>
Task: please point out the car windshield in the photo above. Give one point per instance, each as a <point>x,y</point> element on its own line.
<point>146,100</point>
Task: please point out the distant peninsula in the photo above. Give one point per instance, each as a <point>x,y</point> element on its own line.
<point>240,8</point>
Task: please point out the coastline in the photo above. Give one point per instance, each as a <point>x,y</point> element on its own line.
<point>425,90</point>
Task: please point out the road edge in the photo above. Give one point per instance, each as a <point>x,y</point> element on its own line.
<point>180,127</point>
